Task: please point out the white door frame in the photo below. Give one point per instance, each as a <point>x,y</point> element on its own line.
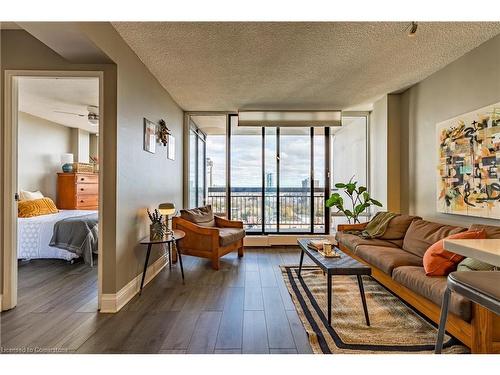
<point>8,297</point>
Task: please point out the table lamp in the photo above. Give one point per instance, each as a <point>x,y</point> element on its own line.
<point>167,209</point>
<point>67,163</point>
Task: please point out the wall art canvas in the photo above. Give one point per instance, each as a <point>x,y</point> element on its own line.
<point>469,164</point>
<point>149,136</point>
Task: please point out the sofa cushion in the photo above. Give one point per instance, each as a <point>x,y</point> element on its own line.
<point>397,227</point>
<point>387,258</point>
<point>351,241</point>
<point>491,230</point>
<point>202,216</point>
<point>440,262</point>
<point>431,288</point>
<point>227,236</point>
<point>422,233</point>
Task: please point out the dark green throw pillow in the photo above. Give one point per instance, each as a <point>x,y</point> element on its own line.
<point>470,264</point>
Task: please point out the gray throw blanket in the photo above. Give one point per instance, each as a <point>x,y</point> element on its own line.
<point>77,235</point>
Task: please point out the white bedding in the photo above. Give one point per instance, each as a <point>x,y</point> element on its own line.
<point>34,234</point>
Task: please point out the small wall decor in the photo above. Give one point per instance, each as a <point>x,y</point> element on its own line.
<point>163,132</point>
<point>149,136</point>
<point>171,147</point>
<point>469,159</point>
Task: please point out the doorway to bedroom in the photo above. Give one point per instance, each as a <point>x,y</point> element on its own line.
<point>57,121</point>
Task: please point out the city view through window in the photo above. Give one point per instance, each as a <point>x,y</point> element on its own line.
<point>270,171</point>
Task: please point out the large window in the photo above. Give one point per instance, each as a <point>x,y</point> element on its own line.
<point>197,181</point>
<point>273,184</point>
<point>207,162</point>
<point>295,179</point>
<point>349,155</point>
<point>274,179</point>
<point>246,175</point>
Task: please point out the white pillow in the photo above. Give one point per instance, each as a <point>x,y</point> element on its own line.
<point>30,195</point>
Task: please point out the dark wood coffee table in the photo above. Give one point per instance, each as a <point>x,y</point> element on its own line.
<point>345,265</point>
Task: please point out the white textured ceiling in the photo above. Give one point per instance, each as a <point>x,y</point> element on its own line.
<point>212,124</point>
<point>257,65</point>
<point>42,97</point>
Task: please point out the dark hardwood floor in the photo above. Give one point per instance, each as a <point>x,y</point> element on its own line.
<point>242,308</point>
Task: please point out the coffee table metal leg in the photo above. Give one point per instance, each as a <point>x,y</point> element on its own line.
<point>301,261</point>
<point>145,267</point>
<point>329,298</point>
<point>363,299</point>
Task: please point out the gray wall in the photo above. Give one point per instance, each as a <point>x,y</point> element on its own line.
<point>135,179</point>
<point>143,179</point>
<point>378,152</point>
<point>40,146</point>
<point>469,83</point>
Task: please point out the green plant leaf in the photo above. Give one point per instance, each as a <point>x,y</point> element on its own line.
<point>366,196</point>
<point>348,213</point>
<point>340,185</point>
<point>334,200</point>
<point>361,189</point>
<point>359,208</point>
<point>375,202</point>
<point>351,187</point>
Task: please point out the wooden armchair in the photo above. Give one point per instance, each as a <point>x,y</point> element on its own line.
<point>210,242</point>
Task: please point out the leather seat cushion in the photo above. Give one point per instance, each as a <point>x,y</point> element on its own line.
<point>227,236</point>
<point>351,241</point>
<point>432,288</point>
<point>397,227</point>
<point>422,234</point>
<point>387,258</point>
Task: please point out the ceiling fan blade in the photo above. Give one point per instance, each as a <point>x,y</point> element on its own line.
<point>70,113</point>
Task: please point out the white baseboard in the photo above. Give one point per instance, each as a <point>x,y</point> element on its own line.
<point>112,303</point>
<point>280,240</point>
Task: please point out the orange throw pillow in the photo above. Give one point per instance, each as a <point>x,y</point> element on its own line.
<point>440,262</point>
<point>36,207</point>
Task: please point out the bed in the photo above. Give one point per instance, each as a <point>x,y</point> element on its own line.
<point>36,233</point>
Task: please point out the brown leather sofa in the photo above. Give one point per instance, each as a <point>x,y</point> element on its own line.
<point>208,236</point>
<point>396,261</point>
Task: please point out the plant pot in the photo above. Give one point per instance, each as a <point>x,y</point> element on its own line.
<point>156,231</point>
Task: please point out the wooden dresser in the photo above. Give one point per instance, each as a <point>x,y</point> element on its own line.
<point>77,191</point>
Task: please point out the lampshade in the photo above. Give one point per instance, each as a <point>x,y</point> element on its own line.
<point>166,209</point>
<point>66,158</point>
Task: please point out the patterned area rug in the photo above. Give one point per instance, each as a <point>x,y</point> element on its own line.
<point>395,326</point>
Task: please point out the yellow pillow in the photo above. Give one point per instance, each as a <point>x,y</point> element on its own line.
<point>36,207</point>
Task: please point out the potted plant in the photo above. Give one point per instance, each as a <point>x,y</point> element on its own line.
<point>359,200</point>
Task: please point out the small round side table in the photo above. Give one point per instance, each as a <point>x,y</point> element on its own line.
<point>168,240</point>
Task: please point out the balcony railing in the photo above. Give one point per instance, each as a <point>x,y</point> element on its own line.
<point>294,207</point>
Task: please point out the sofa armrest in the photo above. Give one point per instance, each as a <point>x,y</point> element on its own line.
<point>224,223</point>
<point>197,237</point>
<point>357,226</point>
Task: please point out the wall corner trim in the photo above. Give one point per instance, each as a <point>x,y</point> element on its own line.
<point>112,303</point>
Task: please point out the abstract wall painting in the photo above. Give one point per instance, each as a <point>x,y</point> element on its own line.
<point>469,164</point>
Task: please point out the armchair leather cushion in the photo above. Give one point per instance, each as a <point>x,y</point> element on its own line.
<point>227,236</point>
<point>202,216</point>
